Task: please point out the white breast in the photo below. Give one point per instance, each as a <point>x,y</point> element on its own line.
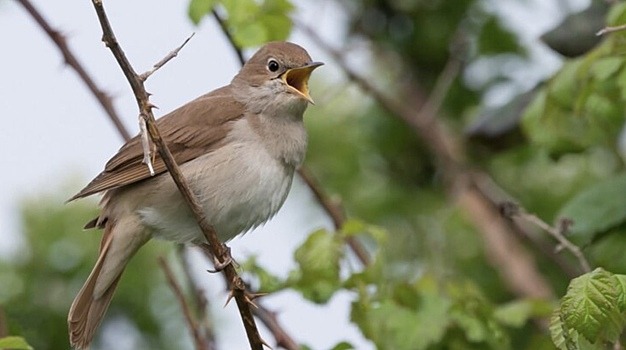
<point>241,185</point>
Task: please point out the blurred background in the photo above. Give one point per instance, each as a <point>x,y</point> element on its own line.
<point>428,115</point>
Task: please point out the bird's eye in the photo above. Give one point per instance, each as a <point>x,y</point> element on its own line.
<point>272,65</point>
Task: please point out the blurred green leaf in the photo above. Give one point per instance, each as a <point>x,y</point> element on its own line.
<point>250,22</point>
<point>200,8</point>
<point>343,346</point>
<point>496,39</point>
<point>391,324</point>
<point>318,259</point>
<point>14,343</point>
<point>517,313</point>
<point>596,209</point>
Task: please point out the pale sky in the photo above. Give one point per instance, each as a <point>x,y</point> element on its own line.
<point>55,131</point>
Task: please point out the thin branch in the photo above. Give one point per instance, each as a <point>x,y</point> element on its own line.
<point>71,60</point>
<point>269,319</point>
<point>199,340</point>
<point>218,249</point>
<point>336,213</point>
<point>513,210</point>
<point>609,29</point>
<point>200,300</point>
<point>222,23</point>
<point>165,59</point>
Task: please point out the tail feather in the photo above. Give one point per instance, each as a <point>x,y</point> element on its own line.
<point>119,244</point>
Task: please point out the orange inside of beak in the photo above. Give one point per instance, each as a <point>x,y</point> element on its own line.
<point>298,79</point>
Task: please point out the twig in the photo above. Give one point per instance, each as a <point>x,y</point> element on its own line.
<point>200,341</point>
<point>609,29</point>
<point>165,59</point>
<point>71,60</point>
<point>283,339</point>
<point>218,249</point>
<point>514,210</point>
<point>198,295</point>
<point>336,213</point>
<point>238,51</point>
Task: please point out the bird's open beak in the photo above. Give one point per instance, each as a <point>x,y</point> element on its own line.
<point>298,79</point>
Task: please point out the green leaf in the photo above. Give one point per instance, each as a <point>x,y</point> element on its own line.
<point>343,346</point>
<point>596,209</point>
<point>517,313</point>
<point>496,39</point>
<point>318,258</point>
<point>621,292</point>
<point>617,15</point>
<point>253,23</point>
<point>606,67</point>
<point>591,307</point>
<point>199,8</point>
<point>14,343</point>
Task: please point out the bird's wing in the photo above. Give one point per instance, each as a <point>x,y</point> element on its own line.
<point>189,131</point>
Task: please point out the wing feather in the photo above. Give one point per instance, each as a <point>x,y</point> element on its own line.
<point>190,131</point>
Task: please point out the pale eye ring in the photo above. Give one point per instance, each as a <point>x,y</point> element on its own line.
<point>272,65</point>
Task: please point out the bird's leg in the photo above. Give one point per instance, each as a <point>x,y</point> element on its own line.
<point>227,258</point>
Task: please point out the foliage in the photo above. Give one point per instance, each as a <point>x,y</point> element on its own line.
<point>14,343</point>
<point>592,312</point>
<point>250,22</point>
<point>36,290</point>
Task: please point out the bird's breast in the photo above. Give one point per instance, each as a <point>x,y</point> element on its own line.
<point>240,185</point>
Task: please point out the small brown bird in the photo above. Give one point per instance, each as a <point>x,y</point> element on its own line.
<point>237,146</point>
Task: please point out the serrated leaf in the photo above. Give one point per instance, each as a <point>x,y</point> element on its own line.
<point>596,209</point>
<point>557,332</point>
<point>590,307</point>
<point>14,343</point>
<point>199,8</point>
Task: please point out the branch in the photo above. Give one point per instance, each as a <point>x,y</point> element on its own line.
<point>200,300</point>
<point>165,59</point>
<point>238,51</point>
<point>200,341</point>
<point>609,29</point>
<point>217,248</point>
<point>513,210</point>
<point>71,60</point>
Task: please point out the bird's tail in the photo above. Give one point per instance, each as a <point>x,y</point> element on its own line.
<point>119,243</point>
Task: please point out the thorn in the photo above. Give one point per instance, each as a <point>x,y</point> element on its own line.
<point>230,297</point>
<point>254,296</point>
<point>265,343</point>
<point>559,248</point>
<point>250,301</point>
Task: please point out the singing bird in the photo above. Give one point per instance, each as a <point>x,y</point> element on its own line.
<point>238,147</point>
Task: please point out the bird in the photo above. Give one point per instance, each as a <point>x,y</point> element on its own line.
<point>237,146</point>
